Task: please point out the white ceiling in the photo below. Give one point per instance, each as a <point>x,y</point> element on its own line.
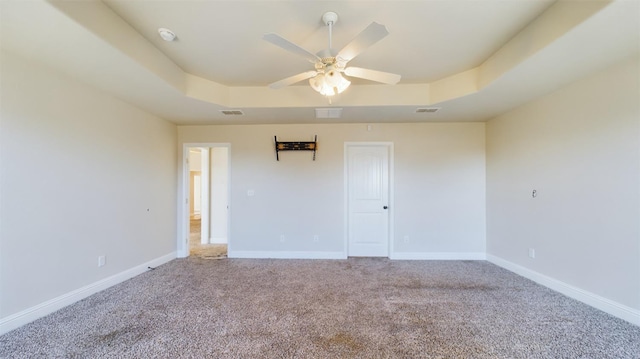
<point>429,40</point>
<point>474,59</point>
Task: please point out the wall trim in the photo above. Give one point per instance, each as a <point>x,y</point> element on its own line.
<point>218,240</point>
<point>28,315</point>
<point>438,256</point>
<point>343,255</point>
<point>287,255</point>
<point>609,306</point>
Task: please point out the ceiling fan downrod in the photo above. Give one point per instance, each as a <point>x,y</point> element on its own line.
<point>329,18</point>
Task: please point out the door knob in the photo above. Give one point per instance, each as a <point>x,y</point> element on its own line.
<point>385,207</point>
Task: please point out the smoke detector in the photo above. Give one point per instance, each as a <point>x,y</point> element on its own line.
<point>166,34</point>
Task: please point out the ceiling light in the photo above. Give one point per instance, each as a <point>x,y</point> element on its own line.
<point>330,82</point>
<point>166,34</point>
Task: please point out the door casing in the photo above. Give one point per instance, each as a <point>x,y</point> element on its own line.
<point>182,240</point>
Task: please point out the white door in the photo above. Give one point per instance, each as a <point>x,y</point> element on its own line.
<point>368,200</point>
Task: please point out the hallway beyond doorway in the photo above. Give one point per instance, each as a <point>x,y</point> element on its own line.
<point>197,249</point>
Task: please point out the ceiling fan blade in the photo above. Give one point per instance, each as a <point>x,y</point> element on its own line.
<point>373,75</point>
<point>369,36</point>
<point>293,79</point>
<point>291,47</point>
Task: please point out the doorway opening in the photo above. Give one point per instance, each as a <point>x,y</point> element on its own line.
<point>206,214</point>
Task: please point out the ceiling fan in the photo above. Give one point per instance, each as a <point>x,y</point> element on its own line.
<point>327,77</point>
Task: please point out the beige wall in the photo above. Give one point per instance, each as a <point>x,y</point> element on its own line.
<point>101,181</point>
<point>98,164</point>
<point>579,148</point>
<point>439,186</point>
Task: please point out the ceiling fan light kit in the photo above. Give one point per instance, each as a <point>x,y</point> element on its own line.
<point>329,84</point>
<point>328,79</point>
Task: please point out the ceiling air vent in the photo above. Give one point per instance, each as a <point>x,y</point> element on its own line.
<point>427,110</point>
<point>232,112</point>
<point>328,112</point>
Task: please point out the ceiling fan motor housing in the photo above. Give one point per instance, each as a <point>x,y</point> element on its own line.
<point>327,58</point>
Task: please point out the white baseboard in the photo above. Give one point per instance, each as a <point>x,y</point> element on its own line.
<point>218,240</point>
<point>342,255</point>
<point>438,256</point>
<point>30,314</point>
<point>621,311</point>
<point>286,255</point>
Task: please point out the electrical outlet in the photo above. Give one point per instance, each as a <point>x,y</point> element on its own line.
<point>282,238</point>
<point>102,260</point>
<point>316,238</point>
<point>532,253</point>
<point>406,239</point>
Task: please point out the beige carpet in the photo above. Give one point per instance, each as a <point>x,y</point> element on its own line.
<point>205,251</point>
<point>356,308</point>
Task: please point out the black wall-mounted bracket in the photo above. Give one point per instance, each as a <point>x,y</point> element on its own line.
<point>296,146</point>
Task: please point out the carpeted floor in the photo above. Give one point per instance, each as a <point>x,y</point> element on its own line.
<point>356,308</point>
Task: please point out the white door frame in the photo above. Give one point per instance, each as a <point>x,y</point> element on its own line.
<point>182,241</point>
<point>205,193</point>
<point>389,146</point>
